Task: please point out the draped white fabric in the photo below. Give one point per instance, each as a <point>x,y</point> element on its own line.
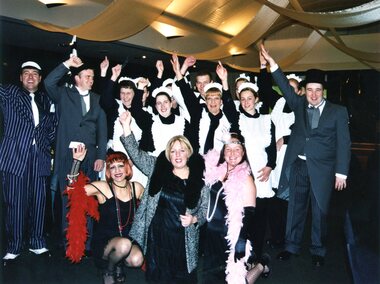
<point>234,27</point>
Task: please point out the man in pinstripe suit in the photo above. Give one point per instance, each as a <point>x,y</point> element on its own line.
<point>29,129</point>
<point>81,119</point>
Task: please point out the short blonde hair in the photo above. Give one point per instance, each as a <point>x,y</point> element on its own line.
<point>213,92</point>
<point>181,139</point>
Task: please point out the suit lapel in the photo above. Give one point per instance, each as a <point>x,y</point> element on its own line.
<point>26,105</point>
<point>77,100</point>
<point>326,112</point>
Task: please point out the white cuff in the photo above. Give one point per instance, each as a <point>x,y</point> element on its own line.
<point>274,68</point>
<point>341,176</point>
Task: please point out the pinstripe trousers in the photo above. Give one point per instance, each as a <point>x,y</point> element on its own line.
<point>300,195</point>
<point>25,200</point>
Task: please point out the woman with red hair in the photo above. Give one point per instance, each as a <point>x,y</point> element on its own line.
<point>118,199</point>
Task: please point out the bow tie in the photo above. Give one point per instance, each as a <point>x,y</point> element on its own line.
<point>84,95</point>
<point>310,106</point>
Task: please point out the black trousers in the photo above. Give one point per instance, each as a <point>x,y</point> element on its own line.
<point>300,196</point>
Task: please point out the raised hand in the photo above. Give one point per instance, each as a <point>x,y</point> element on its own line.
<point>104,66</point>
<point>263,61</point>
<point>176,66</point>
<point>79,152</point>
<point>125,120</point>
<point>265,54</point>
<point>189,61</point>
<point>221,72</point>
<point>142,83</point>
<point>74,61</point>
<point>160,68</point>
<point>116,70</point>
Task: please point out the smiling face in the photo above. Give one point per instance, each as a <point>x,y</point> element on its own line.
<point>179,155</point>
<point>248,101</point>
<point>314,93</point>
<point>118,171</point>
<point>30,79</point>
<point>214,102</point>
<point>201,81</point>
<point>163,105</point>
<point>85,79</point>
<point>126,96</point>
<point>233,153</point>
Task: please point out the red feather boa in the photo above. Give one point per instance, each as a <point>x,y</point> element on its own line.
<point>79,205</point>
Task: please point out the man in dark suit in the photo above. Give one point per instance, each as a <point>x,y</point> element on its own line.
<point>25,162</point>
<point>81,119</point>
<point>316,160</point>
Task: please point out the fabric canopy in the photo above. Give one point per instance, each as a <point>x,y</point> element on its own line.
<point>124,18</point>
<point>121,19</point>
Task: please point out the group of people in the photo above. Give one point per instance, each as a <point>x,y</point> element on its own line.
<point>187,174</point>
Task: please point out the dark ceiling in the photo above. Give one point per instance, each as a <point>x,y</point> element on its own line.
<point>21,42</point>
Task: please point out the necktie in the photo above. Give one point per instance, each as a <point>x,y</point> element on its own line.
<point>214,123</point>
<point>83,104</point>
<point>36,116</point>
<point>313,114</point>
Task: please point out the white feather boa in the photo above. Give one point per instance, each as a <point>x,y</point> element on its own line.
<point>232,194</point>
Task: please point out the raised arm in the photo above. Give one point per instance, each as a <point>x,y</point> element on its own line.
<point>79,153</point>
<point>140,158</point>
<point>229,108</point>
<point>190,100</point>
<point>107,101</point>
<point>158,80</point>
<point>51,81</point>
<point>283,83</point>
<point>267,94</point>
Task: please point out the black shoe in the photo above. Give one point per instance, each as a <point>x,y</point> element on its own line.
<point>284,255</point>
<point>108,277</point>
<point>264,260</point>
<point>317,260</point>
<point>119,274</point>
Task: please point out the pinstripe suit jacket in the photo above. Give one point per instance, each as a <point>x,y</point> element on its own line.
<point>91,129</point>
<point>19,130</point>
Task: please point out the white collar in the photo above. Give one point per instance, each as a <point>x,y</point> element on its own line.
<point>82,93</point>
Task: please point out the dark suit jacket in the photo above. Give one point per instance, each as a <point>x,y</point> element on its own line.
<point>90,129</point>
<point>327,147</point>
<point>19,130</point>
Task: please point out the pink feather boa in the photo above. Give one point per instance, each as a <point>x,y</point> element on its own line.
<point>235,271</point>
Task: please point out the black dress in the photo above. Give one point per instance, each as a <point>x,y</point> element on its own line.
<point>166,253</point>
<point>108,228</point>
<point>215,244</point>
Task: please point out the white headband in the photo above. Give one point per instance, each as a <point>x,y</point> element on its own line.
<point>167,82</point>
<point>162,90</point>
<point>294,77</point>
<point>243,76</point>
<point>213,85</point>
<point>134,81</point>
<point>248,85</point>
